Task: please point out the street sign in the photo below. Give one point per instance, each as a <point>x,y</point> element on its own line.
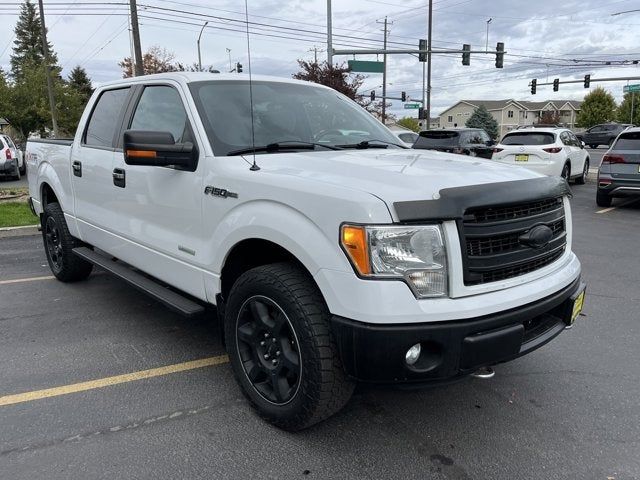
<point>366,66</point>
<point>631,88</point>
<point>411,106</point>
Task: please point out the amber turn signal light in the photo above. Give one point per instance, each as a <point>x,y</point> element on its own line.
<point>141,153</point>
<point>354,242</point>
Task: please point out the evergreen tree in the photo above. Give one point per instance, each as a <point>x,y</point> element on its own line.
<point>481,118</point>
<point>598,106</point>
<point>80,82</point>
<point>27,48</point>
<point>624,110</point>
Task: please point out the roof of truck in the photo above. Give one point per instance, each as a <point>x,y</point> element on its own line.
<point>189,77</point>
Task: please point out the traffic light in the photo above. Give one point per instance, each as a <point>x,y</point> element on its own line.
<point>587,81</point>
<point>373,95</point>
<point>534,83</point>
<point>422,45</point>
<point>499,55</point>
<point>421,114</point>
<point>466,55</point>
<point>403,96</point>
<point>239,67</point>
<point>556,84</point>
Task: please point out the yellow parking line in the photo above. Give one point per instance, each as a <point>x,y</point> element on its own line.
<point>29,279</point>
<point>108,381</point>
<point>628,202</point>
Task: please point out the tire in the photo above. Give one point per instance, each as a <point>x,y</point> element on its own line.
<point>582,179</point>
<point>566,171</point>
<point>603,199</point>
<point>282,352</point>
<point>58,244</point>
<point>23,170</point>
<point>17,175</point>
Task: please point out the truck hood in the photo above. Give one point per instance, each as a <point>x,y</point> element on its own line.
<point>393,175</point>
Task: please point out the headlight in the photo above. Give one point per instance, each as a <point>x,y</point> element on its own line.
<point>414,253</point>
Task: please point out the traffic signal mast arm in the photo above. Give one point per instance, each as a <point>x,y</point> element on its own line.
<point>607,79</point>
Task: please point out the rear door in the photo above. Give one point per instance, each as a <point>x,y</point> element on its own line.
<point>92,165</point>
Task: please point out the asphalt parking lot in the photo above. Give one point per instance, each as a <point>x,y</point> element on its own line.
<point>569,410</point>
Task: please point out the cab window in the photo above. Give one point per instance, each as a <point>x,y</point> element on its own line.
<point>104,118</point>
<point>160,109</point>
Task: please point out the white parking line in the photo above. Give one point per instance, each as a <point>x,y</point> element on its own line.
<point>29,279</point>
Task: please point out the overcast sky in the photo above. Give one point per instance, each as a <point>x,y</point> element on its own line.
<point>566,39</point>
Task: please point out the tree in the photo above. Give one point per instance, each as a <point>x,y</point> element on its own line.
<point>481,118</point>
<point>624,110</point>
<point>598,106</point>
<point>24,102</point>
<point>549,117</point>
<point>80,82</point>
<point>341,79</point>
<point>27,47</point>
<point>155,60</point>
<point>410,123</point>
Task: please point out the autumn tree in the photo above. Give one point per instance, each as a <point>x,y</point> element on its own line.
<point>154,60</point>
<point>598,106</point>
<point>549,117</point>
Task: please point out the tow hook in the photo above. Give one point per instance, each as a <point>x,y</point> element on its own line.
<point>484,373</point>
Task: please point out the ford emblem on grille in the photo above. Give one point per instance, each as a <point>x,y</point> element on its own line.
<point>537,237</point>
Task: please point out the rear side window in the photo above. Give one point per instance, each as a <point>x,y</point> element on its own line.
<point>160,109</point>
<point>476,137</point>
<point>528,138</point>
<point>104,118</point>
<point>407,137</point>
<point>437,138</point>
<point>628,141</point>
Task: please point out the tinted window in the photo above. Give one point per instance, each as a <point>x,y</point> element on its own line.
<point>476,137</point>
<point>528,138</point>
<point>160,109</point>
<point>437,138</point>
<point>103,123</point>
<point>595,129</point>
<point>407,137</point>
<point>564,137</point>
<point>628,141</point>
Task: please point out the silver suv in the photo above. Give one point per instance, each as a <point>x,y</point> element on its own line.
<point>619,173</point>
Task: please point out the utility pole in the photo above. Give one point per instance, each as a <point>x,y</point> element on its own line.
<point>47,66</point>
<point>633,97</point>
<point>486,45</point>
<point>428,104</point>
<point>137,67</point>
<point>384,74</point>
<point>229,52</point>
<point>329,34</point>
<point>199,55</point>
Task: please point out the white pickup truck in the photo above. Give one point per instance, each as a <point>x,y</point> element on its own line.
<point>333,255</point>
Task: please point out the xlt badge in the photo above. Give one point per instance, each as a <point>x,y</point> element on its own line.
<point>219,192</point>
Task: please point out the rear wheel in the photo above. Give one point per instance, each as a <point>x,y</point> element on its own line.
<point>17,174</point>
<point>58,245</point>
<point>281,348</point>
<point>603,199</point>
<point>582,179</point>
<point>566,171</point>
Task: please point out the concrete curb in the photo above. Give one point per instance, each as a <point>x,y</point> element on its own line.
<point>29,230</point>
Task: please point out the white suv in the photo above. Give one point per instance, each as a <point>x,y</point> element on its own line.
<point>550,151</point>
<point>11,161</point>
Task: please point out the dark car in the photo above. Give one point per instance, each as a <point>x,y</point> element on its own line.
<point>619,173</point>
<point>465,141</point>
<point>603,134</point>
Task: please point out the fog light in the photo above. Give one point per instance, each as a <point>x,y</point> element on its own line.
<point>413,354</point>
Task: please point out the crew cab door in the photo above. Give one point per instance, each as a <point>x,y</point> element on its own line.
<point>92,166</point>
<point>159,209</point>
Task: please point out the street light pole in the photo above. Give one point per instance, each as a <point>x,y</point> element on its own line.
<point>486,46</point>
<point>229,52</point>
<point>200,56</point>
<point>329,35</point>
<point>428,105</point>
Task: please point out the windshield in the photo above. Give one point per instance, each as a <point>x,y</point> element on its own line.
<point>528,138</point>
<point>437,138</point>
<point>283,112</point>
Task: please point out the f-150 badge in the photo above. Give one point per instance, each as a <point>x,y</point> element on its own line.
<point>219,192</point>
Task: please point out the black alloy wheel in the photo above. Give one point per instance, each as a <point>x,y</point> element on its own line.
<point>269,349</point>
<point>566,172</point>
<point>582,179</point>
<point>53,242</point>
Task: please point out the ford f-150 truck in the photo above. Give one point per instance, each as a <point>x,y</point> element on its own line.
<point>332,254</point>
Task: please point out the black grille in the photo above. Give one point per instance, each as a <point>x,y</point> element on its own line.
<point>491,237</point>
<point>496,214</point>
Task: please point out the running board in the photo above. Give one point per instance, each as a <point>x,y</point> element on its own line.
<point>171,299</point>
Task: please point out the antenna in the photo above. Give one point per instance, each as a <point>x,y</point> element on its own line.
<point>254,166</point>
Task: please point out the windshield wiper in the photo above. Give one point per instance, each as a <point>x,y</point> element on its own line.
<point>367,144</point>
<point>281,146</point>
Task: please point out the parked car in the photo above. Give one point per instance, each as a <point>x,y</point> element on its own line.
<point>474,142</point>
<point>331,258</point>
<point>550,151</point>
<point>407,137</point>
<point>619,172</point>
<point>603,134</point>
<point>11,158</point>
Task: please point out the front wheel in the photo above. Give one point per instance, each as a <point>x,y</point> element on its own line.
<point>582,179</point>
<point>281,348</point>
<point>58,245</point>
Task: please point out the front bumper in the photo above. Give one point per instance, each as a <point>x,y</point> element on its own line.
<point>376,352</point>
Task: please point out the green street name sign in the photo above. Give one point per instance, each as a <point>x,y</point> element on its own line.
<point>411,106</point>
<point>631,88</point>
<point>366,66</point>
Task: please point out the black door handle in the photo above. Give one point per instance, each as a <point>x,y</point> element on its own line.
<point>119,177</point>
<point>77,168</point>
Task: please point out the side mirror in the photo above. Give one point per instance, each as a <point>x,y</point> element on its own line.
<point>157,149</point>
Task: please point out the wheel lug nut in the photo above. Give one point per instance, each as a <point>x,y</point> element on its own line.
<point>274,340</point>
<point>278,353</point>
<point>266,335</point>
<point>262,343</point>
<point>274,361</point>
<point>266,356</point>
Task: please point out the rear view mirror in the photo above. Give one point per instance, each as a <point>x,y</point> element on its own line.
<point>157,149</point>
